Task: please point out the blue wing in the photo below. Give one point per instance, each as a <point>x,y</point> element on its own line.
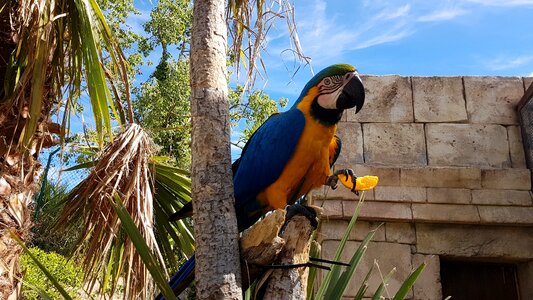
<point>262,161</point>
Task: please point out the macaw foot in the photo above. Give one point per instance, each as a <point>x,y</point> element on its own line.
<point>301,210</point>
<point>349,179</point>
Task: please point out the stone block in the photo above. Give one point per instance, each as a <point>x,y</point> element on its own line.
<point>475,241</point>
<point>387,256</point>
<point>445,213</point>
<point>493,100</point>
<point>386,175</point>
<point>352,143</point>
<point>403,233</point>
<point>428,285</point>
<point>506,215</point>
<point>516,147</point>
<point>332,209</point>
<point>335,229</point>
<point>387,99</point>
<point>379,211</point>
<point>400,193</point>
<point>339,193</point>
<point>449,195</point>
<point>467,145</point>
<point>453,177</point>
<point>394,144</point>
<point>439,99</point>
<point>508,179</point>
<point>502,197</point>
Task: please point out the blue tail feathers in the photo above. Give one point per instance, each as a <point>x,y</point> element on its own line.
<point>183,273</point>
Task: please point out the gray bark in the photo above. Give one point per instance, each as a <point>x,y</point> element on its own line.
<point>217,251</point>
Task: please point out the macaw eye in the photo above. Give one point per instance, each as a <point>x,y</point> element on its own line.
<point>347,76</point>
<point>327,81</point>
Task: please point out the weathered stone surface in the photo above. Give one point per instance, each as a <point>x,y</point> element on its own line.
<point>527,82</point>
<point>335,229</point>
<point>502,197</point>
<point>509,179</point>
<point>506,215</point>
<point>387,255</point>
<point>387,99</point>
<point>379,211</point>
<point>448,195</point>
<point>403,233</point>
<point>400,193</point>
<point>352,143</point>
<point>428,285</point>
<point>439,99</point>
<point>339,193</point>
<point>516,147</point>
<point>467,145</point>
<point>386,175</point>
<point>445,213</point>
<point>394,144</point>
<point>453,177</point>
<point>332,208</point>
<point>493,100</point>
<point>478,241</point>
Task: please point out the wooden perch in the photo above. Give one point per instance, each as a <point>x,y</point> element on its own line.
<point>261,246</point>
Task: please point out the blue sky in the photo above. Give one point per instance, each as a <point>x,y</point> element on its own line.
<point>423,38</point>
<point>455,37</point>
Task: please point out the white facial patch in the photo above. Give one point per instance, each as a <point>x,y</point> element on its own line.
<point>329,101</point>
<point>330,89</point>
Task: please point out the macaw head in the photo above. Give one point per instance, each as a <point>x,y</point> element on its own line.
<point>331,91</point>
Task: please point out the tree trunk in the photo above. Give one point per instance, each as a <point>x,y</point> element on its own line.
<point>217,251</point>
<point>19,165</point>
<point>292,283</point>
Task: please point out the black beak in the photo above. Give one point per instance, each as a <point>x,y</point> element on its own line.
<point>353,95</point>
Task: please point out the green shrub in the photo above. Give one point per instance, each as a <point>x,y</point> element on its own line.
<point>65,271</point>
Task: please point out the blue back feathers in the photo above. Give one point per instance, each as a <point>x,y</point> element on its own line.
<point>264,157</point>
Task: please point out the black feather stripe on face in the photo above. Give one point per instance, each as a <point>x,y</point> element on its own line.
<point>327,117</point>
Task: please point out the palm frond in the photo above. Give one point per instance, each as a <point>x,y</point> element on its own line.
<point>249,22</point>
<point>59,50</point>
<point>122,169</point>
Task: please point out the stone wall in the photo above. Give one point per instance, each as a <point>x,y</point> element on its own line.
<point>453,177</point>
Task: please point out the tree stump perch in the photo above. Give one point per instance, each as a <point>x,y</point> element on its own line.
<point>264,245</point>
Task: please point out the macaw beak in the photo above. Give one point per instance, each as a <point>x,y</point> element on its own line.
<point>352,95</point>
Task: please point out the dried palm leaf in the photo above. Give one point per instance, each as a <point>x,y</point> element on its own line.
<point>249,22</point>
<point>122,169</point>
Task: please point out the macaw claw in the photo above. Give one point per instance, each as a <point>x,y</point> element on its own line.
<point>351,182</point>
<point>345,176</point>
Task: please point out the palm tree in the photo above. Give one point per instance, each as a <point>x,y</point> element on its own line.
<point>218,264</point>
<point>49,49</point>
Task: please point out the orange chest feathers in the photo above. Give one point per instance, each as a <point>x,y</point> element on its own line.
<point>307,169</point>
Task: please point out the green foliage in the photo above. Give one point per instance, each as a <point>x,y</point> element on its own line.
<point>44,236</point>
<point>162,107</point>
<point>169,24</point>
<point>336,281</point>
<point>253,107</point>
<point>64,271</point>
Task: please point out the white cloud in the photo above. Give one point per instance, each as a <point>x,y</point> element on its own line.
<point>325,35</point>
<point>442,15</point>
<point>503,63</point>
<point>502,2</point>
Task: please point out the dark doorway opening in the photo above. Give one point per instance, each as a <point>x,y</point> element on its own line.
<point>470,280</point>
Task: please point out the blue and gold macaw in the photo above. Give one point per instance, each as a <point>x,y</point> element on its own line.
<point>291,153</point>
